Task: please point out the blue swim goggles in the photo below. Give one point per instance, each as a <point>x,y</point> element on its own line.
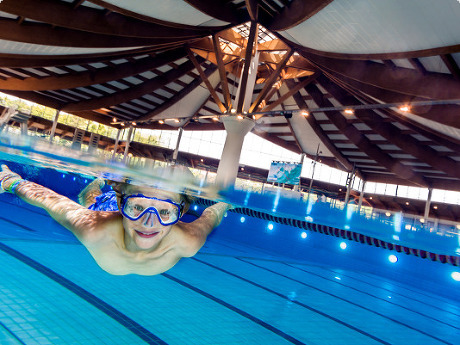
<point>134,207</point>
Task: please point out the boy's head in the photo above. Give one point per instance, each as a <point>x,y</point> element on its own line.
<point>148,213</point>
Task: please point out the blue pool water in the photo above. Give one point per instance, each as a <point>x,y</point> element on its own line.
<point>254,282</point>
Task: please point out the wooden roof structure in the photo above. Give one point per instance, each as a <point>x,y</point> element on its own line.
<point>150,62</point>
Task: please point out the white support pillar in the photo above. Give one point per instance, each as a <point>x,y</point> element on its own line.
<point>176,150</point>
<point>428,204</point>
<point>117,140</point>
<point>361,195</point>
<point>128,141</point>
<point>229,162</point>
<point>53,128</point>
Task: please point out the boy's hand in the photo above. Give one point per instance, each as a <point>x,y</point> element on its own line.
<point>5,175</point>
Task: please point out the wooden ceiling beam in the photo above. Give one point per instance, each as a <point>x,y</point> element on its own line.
<point>247,63</point>
<point>270,81</point>
<point>449,112</point>
<point>92,20</point>
<point>43,34</point>
<point>407,143</point>
<point>295,13</point>
<point>363,142</point>
<point>403,80</point>
<point>452,65</point>
<point>252,6</point>
<point>378,56</point>
<point>292,91</point>
<point>436,138</point>
<point>38,61</point>
<point>133,92</point>
<point>317,129</point>
<point>418,65</point>
<point>206,81</point>
<point>222,71</point>
<point>77,3</point>
<point>98,76</point>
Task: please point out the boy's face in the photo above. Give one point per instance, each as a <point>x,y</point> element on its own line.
<point>147,231</point>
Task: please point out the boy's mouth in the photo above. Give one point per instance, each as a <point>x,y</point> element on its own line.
<point>147,234</point>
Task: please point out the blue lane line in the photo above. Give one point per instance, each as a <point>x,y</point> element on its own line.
<point>351,288</point>
<point>296,302</point>
<point>12,333</point>
<point>236,310</point>
<point>405,287</point>
<point>352,303</point>
<point>107,309</point>
<point>17,224</point>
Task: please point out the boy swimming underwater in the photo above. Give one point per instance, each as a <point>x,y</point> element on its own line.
<point>144,237</point>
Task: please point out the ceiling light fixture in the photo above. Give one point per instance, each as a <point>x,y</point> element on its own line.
<point>240,117</point>
<point>349,111</point>
<point>404,108</point>
<point>161,122</point>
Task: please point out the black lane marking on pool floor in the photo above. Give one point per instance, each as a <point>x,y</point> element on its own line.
<point>104,307</point>
<point>11,333</point>
<point>236,310</point>
<point>356,289</point>
<point>295,302</point>
<point>407,288</point>
<point>352,303</point>
<point>17,224</point>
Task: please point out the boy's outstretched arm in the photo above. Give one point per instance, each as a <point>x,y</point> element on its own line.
<point>203,226</point>
<point>66,212</point>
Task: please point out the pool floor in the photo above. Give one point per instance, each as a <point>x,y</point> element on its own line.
<point>54,293</point>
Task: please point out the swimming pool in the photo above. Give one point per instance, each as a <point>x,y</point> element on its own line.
<point>255,281</point>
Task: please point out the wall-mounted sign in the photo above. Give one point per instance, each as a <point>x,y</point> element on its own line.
<point>284,172</point>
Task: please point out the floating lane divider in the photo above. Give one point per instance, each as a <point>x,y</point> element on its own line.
<point>342,233</point>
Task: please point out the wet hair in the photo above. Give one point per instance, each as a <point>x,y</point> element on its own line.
<point>176,173</point>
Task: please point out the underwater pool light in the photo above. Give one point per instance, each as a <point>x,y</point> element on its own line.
<point>343,245</point>
<point>270,226</point>
<point>392,258</point>
<point>455,276</point>
<point>195,207</point>
<point>303,234</point>
<point>242,219</point>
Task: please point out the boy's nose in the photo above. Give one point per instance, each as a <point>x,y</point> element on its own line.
<point>149,219</point>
